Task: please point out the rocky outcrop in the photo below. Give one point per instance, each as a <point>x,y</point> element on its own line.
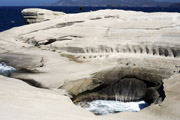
<point>101,54</point>
<point>120,83</point>
<point>35,15</point>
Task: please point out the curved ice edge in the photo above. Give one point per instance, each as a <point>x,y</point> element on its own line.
<point>103,107</point>
<point>6,70</point>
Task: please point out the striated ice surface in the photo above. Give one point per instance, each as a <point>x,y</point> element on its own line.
<point>6,70</point>
<point>103,107</point>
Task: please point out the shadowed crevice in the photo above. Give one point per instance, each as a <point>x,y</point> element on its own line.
<point>33,83</point>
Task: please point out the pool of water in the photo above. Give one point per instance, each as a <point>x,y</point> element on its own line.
<point>6,70</point>
<point>104,107</point>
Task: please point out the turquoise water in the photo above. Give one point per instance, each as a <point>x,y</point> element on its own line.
<point>104,107</point>
<point>6,70</point>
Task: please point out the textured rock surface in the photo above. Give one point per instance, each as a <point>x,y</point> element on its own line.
<point>80,52</point>
<point>36,15</point>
